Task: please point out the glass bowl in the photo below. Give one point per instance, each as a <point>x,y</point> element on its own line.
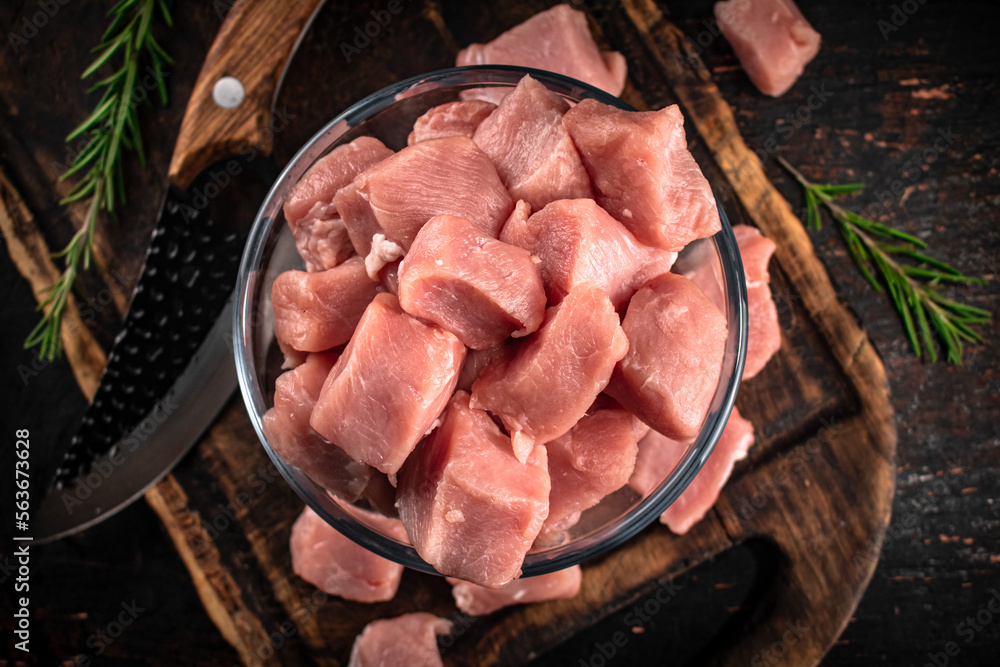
<point>389,115</point>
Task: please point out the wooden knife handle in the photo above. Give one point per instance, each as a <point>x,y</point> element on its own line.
<point>254,46</point>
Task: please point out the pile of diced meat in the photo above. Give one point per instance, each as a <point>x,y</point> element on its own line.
<point>529,263</point>
<point>503,325</point>
<point>491,334</point>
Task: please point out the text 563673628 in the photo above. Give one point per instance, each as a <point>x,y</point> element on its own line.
<point>21,554</point>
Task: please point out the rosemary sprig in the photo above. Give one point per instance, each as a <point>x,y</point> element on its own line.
<point>912,277</point>
<point>111,127</point>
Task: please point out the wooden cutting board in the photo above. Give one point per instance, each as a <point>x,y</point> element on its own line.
<point>817,486</point>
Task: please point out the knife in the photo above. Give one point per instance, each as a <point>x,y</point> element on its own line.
<point>171,368</point>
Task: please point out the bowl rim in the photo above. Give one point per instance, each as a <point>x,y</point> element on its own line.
<point>602,539</point>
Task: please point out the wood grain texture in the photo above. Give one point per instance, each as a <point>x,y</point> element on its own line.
<point>812,587</point>
<point>218,592</point>
<point>32,257</point>
<point>253,46</point>
<point>940,559</point>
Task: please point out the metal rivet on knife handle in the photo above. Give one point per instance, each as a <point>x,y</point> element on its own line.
<point>228,92</point>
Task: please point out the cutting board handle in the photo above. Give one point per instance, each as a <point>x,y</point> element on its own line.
<point>254,46</point>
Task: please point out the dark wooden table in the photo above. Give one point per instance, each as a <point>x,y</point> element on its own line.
<point>889,93</point>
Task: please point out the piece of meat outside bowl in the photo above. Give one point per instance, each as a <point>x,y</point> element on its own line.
<point>531,148</point>
<point>339,566</point>
<point>409,640</point>
<point>772,40</point>
<point>677,339</point>
<point>658,455</point>
<point>389,386</point>
<point>471,509</point>
<point>473,285</point>
<point>286,426</point>
<point>541,390</point>
<point>557,40</point>
<point>643,173</point>
<point>478,601</point>
<point>764,333</point>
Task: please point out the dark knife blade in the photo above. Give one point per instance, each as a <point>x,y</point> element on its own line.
<point>188,276</point>
<point>176,344</point>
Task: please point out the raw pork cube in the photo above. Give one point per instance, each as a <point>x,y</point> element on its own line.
<point>381,494</point>
<point>477,360</point>
<point>358,218</point>
<point>478,288</point>
<point>330,173</point>
<point>764,335</point>
<point>557,40</point>
<point>322,241</point>
<point>409,640</point>
<point>527,141</point>
<point>519,216</point>
<point>470,508</point>
<point>286,426</point>
<point>578,242</point>
<point>677,339</point>
<point>643,173</point>
<point>771,38</point>
<point>556,373</point>
<point>320,234</point>
<point>450,175</point>
<point>702,268</point>
<point>593,459</point>
<point>314,312</point>
<point>659,454</point>
<point>387,389</point>
<point>699,263</point>
<point>451,119</point>
<point>339,566</point>
<point>478,601</point>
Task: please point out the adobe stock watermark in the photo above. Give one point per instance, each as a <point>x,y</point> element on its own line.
<point>89,309</point>
<point>362,36</point>
<point>102,639</point>
<point>911,172</point>
<point>30,25</point>
<point>696,45</point>
<point>103,468</point>
<point>276,640</point>
<point>460,624</point>
<point>222,7</point>
<point>792,462</point>
<point>221,179</point>
<point>141,91</point>
<point>225,515</point>
<point>636,619</point>
<point>793,634</point>
<point>786,127</point>
<point>968,628</point>
<point>902,525</point>
<point>901,13</point>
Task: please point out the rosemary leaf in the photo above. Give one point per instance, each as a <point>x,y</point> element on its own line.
<point>911,277</point>
<point>114,128</point>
